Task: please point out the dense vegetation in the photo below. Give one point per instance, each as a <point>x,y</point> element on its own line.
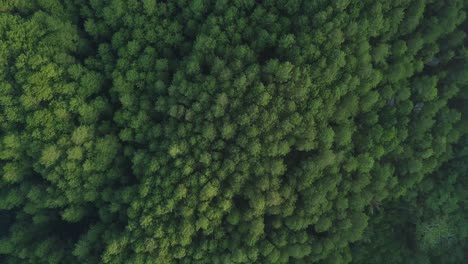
<point>233,131</point>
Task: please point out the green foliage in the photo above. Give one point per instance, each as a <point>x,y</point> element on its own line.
<point>233,131</point>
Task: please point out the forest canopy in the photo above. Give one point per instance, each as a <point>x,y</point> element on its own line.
<point>233,131</point>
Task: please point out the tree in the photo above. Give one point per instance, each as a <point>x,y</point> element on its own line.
<point>232,131</point>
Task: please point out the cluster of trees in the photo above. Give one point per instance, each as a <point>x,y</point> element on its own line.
<point>240,131</point>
